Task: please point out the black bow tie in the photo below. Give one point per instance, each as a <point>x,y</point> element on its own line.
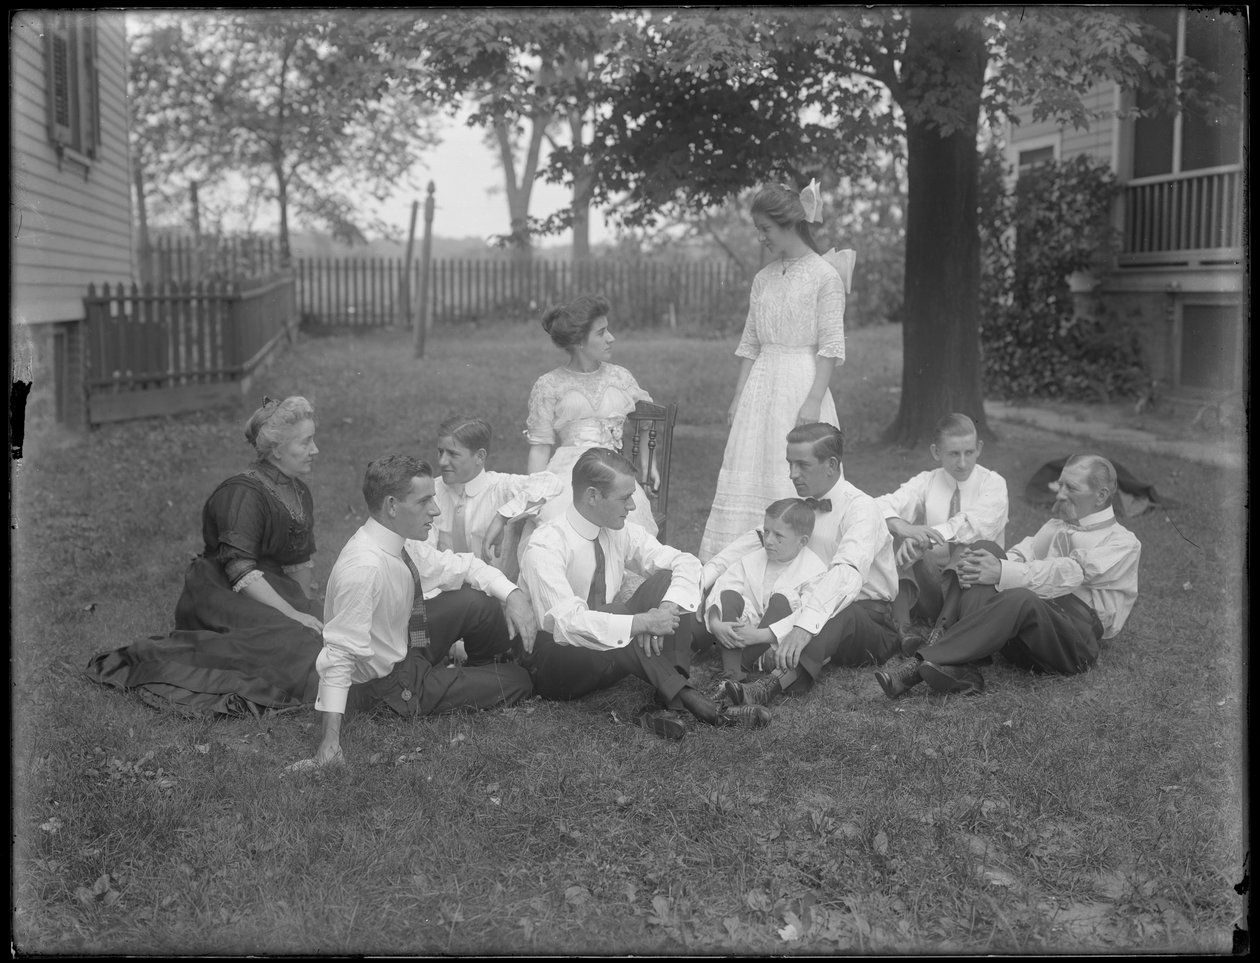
<point>819,504</point>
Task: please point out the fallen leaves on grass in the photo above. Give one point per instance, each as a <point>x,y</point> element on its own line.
<point>100,892</point>
<point>52,826</point>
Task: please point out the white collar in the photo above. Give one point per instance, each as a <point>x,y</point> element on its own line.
<point>584,527</point>
<point>386,539</point>
<point>471,488</point>
<point>1097,520</point>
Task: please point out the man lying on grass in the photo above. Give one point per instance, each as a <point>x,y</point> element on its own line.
<point>384,645</point>
<point>1047,603</point>
<point>573,568</point>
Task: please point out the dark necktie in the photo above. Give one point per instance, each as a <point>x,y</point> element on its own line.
<point>819,504</point>
<point>418,623</point>
<point>596,597</point>
<point>955,502</point>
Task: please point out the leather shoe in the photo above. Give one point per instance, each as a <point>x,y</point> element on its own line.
<point>744,717</point>
<point>897,679</point>
<point>665,723</point>
<point>953,679</point>
<point>758,693</point>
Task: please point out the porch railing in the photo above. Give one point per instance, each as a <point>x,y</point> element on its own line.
<point>1185,218</point>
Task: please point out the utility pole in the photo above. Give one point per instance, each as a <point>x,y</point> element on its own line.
<point>426,253</point>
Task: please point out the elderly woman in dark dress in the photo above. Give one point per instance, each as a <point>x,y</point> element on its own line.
<point>247,626</point>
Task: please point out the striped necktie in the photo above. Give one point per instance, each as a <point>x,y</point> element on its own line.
<point>596,598</point>
<point>418,623</point>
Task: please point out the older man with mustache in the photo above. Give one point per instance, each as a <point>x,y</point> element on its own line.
<point>1046,603</point>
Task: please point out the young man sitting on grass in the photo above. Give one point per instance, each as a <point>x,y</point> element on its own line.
<point>384,645</point>
<point>574,567</point>
<point>1046,603</point>
<point>933,517</point>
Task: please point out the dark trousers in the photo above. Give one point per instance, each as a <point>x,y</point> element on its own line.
<point>860,634</point>
<point>1059,635</point>
<point>422,685</point>
<point>929,589</point>
<point>735,662</point>
<point>565,672</point>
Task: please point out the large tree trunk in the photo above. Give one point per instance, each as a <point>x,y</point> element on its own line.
<point>941,368</point>
<point>142,215</point>
<point>518,194</point>
<point>583,185</point>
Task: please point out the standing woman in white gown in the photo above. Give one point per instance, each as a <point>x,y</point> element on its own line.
<point>793,340</point>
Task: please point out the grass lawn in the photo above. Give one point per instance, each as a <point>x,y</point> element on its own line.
<point>1101,813</point>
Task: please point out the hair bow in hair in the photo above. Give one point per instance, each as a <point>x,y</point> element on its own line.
<point>811,200</point>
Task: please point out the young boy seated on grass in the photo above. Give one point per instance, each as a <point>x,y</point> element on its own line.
<point>932,518</point>
<point>754,599</point>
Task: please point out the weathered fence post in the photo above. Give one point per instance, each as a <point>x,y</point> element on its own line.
<point>426,251</point>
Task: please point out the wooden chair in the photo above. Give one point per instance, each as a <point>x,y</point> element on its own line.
<point>658,422</point>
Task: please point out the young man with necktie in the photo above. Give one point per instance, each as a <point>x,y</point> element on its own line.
<point>573,569</point>
<point>471,497</point>
<point>845,615</point>
<point>932,518</point>
<point>1048,602</point>
<point>385,644</point>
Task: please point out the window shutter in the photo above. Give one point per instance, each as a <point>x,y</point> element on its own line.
<point>59,50</point>
<point>89,89</point>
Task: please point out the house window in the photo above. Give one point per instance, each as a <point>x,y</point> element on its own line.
<point>1172,144</point>
<point>73,94</point>
<point>1035,157</point>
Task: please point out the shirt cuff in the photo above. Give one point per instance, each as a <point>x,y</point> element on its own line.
<point>1012,575</point>
<point>331,699</point>
<point>811,621</point>
<point>685,598</point>
<point>500,586</point>
<point>621,625</point>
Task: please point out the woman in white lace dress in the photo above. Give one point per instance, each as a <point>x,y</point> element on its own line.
<point>581,404</point>
<point>793,339</point>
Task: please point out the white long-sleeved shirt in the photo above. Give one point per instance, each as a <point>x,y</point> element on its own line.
<point>924,500</point>
<point>483,496</point>
<point>368,602</point>
<point>1101,567</point>
<point>559,563</point>
<point>755,579</point>
<point>853,539</point>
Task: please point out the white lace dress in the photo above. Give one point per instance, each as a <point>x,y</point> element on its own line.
<point>576,410</point>
<point>795,316</point>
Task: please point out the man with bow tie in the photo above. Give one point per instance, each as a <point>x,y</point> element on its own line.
<point>1048,602</point>
<point>845,615</point>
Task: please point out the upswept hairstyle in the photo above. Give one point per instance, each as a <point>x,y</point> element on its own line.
<point>828,440</point>
<point>795,512</point>
<point>271,424</point>
<point>955,423</point>
<point>391,475</point>
<point>598,468</point>
<point>570,324</point>
<point>471,433</point>
<point>783,206</point>
<point>1100,472</point>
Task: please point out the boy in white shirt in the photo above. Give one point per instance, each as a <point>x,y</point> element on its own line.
<point>471,498</point>
<point>754,599</point>
<point>932,517</point>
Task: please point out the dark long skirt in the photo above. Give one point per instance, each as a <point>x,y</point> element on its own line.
<point>229,653</point>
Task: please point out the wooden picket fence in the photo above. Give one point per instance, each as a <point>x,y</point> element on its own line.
<point>163,349</point>
<point>371,291</point>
